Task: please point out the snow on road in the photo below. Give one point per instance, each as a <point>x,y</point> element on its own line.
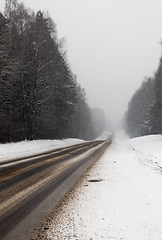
<point>119,197</point>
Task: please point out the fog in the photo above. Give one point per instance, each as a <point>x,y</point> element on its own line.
<point>111,45</point>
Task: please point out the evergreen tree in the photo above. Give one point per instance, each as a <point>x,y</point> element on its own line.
<point>138,116</point>
<point>39,93</point>
<point>40,97</point>
<point>158,94</point>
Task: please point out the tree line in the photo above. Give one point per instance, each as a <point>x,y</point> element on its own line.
<point>39,95</point>
<point>144,114</point>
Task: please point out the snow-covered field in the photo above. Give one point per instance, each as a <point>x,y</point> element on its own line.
<point>25,148</point>
<point>119,197</point>
<point>148,150</point>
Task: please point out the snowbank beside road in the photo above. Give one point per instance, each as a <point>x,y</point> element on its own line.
<point>25,148</point>
<point>148,144</point>
<point>150,150</point>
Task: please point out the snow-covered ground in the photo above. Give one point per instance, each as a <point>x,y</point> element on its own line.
<point>119,197</point>
<point>148,150</point>
<point>25,148</point>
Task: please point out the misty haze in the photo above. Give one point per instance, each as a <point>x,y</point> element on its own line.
<point>80,119</point>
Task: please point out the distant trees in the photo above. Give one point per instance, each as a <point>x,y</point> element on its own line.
<point>87,123</point>
<point>144,114</point>
<point>137,117</point>
<point>82,126</point>
<point>99,121</point>
<point>157,108</point>
<point>39,95</point>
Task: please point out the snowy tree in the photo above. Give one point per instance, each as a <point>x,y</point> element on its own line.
<point>138,116</point>
<point>40,97</point>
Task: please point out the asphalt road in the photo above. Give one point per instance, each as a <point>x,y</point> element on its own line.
<point>32,184</point>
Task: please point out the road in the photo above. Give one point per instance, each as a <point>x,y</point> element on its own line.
<point>126,204</point>
<point>31,187</point>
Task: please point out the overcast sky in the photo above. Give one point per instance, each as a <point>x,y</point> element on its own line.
<point>112,45</point>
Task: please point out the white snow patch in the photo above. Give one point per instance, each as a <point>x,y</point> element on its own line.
<point>149,148</point>
<point>25,148</point>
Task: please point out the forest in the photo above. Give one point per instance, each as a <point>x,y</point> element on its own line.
<point>144,114</point>
<point>39,94</point>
